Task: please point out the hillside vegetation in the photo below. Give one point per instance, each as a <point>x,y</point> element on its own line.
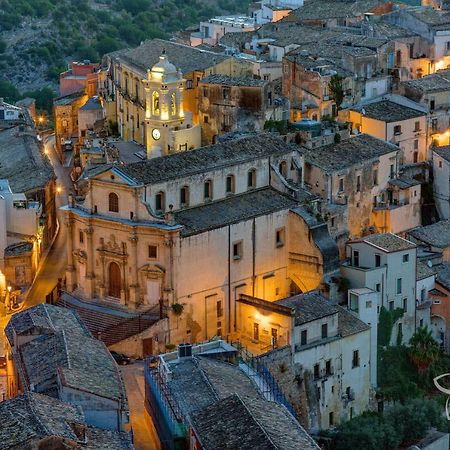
<point>39,37</point>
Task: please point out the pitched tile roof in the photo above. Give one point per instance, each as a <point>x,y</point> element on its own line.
<point>443,152</point>
<point>232,81</point>
<point>201,384</point>
<point>349,324</point>
<point>233,209</point>
<point>348,152</point>
<point>423,271</point>
<point>245,424</point>
<point>389,242</point>
<point>184,57</point>
<point>65,346</point>
<point>388,111</point>
<point>309,306</point>
<point>222,154</point>
<point>443,274</point>
<point>31,416</point>
<point>428,83</point>
<point>436,235</point>
<point>21,161</point>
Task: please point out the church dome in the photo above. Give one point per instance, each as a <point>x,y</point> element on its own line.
<point>164,69</point>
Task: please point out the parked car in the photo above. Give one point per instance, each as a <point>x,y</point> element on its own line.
<point>121,359</point>
<point>2,362</point>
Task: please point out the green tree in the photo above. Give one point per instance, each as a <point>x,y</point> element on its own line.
<point>336,89</point>
<point>8,91</point>
<point>423,350</point>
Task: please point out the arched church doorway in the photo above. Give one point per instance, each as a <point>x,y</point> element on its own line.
<point>115,285</point>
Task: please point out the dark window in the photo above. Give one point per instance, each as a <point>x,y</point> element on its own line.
<point>391,305</point>
<point>331,418</point>
<point>205,119</point>
<point>378,287</point>
<point>328,369</point>
<point>355,359</point>
<point>358,183</point>
<point>324,330</point>
<point>399,285</point>
<point>81,236</point>
<point>219,308</point>
<point>184,196</point>
<point>377,260</point>
<point>188,84</point>
<point>159,202</point>
<point>279,238</point>
<point>398,129</point>
<point>230,184</point>
<point>316,371</point>
<point>251,178</point>
<point>417,126</point>
<point>405,304</point>
<point>304,337</point>
<point>392,171</point>
<point>375,177</point>
<point>283,168</point>
<point>356,258</point>
<point>406,258</point>
<point>237,250</point>
<point>226,93</point>
<point>207,191</point>
<point>341,185</point>
<point>113,202</point>
<point>152,251</point>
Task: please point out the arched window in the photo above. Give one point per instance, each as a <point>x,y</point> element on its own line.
<point>208,190</point>
<point>230,184</point>
<point>160,202</point>
<point>155,103</point>
<point>251,178</point>
<point>283,168</point>
<point>184,196</point>
<point>113,202</point>
<point>173,104</point>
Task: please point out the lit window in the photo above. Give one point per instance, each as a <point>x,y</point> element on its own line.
<point>155,103</point>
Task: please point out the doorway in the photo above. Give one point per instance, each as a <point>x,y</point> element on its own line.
<point>115,285</point>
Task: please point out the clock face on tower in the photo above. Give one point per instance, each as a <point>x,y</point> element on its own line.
<point>156,134</point>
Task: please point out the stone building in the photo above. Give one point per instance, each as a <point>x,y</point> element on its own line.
<point>433,240</point>
<point>441,180</point>
<point>433,93</point>
<point>35,421</point>
<point>399,124</point>
<point>386,264</point>
<point>357,179</point>
<point>80,77</point>
<point>213,403</point>
<point>127,71</point>
<point>232,207</point>
<point>330,351</point>
<point>65,111</point>
<point>44,345</point>
<point>236,104</point>
<point>27,203</point>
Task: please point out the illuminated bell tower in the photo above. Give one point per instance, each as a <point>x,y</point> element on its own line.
<point>164,113</point>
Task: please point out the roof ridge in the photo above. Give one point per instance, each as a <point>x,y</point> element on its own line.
<point>256,420</point>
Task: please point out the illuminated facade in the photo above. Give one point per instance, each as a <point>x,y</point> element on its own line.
<point>168,128</point>
<point>134,239</point>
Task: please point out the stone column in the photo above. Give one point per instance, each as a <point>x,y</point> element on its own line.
<point>70,268</point>
<point>134,286</point>
<point>90,276</point>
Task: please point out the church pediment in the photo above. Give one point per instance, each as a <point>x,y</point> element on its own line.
<point>152,270</point>
<point>114,175</point>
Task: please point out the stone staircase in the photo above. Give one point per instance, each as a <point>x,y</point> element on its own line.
<point>108,324</point>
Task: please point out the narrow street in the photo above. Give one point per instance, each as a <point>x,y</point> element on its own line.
<point>53,266</point>
<point>144,433</point>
